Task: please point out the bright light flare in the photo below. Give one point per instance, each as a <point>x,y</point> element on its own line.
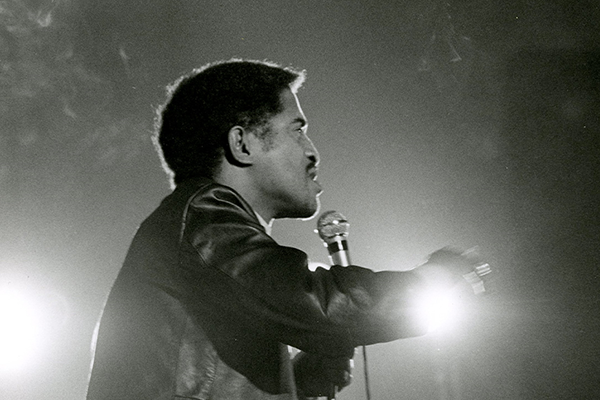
<point>439,309</point>
<point>19,330</point>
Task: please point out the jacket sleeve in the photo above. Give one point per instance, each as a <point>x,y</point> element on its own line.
<point>232,270</point>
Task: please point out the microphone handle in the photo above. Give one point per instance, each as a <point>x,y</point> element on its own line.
<point>338,251</point>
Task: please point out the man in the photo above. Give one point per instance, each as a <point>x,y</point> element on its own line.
<point>207,303</point>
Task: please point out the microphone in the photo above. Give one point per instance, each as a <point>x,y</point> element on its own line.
<point>333,229</point>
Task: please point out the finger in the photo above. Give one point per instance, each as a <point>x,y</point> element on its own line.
<point>475,281</point>
<point>472,252</point>
<point>332,392</point>
<point>483,269</point>
<point>340,378</point>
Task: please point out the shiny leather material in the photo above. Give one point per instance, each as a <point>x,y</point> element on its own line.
<point>206,303</point>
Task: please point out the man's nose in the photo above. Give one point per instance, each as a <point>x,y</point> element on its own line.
<point>311,152</point>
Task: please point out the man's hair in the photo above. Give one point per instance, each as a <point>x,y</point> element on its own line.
<point>191,127</point>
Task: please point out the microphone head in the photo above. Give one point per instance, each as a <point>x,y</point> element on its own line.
<point>331,224</point>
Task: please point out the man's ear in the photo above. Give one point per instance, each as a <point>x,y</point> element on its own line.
<point>239,148</point>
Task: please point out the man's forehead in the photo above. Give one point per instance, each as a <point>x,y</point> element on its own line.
<point>291,107</point>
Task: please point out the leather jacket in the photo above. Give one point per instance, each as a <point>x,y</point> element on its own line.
<point>206,304</point>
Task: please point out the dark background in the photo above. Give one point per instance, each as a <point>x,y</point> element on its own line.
<point>469,123</point>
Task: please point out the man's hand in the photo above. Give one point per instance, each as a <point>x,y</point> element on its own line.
<point>446,265</point>
<point>318,376</point>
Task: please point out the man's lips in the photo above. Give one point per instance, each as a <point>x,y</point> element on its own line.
<point>313,175</point>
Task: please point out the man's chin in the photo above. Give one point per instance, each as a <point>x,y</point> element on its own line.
<point>305,212</point>
<point>313,212</point>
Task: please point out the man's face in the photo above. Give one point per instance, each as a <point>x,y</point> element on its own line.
<point>287,164</point>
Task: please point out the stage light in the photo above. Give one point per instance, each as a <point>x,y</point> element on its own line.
<point>19,330</point>
<point>439,309</point>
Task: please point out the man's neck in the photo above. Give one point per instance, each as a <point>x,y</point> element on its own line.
<point>267,225</point>
<point>241,181</point>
